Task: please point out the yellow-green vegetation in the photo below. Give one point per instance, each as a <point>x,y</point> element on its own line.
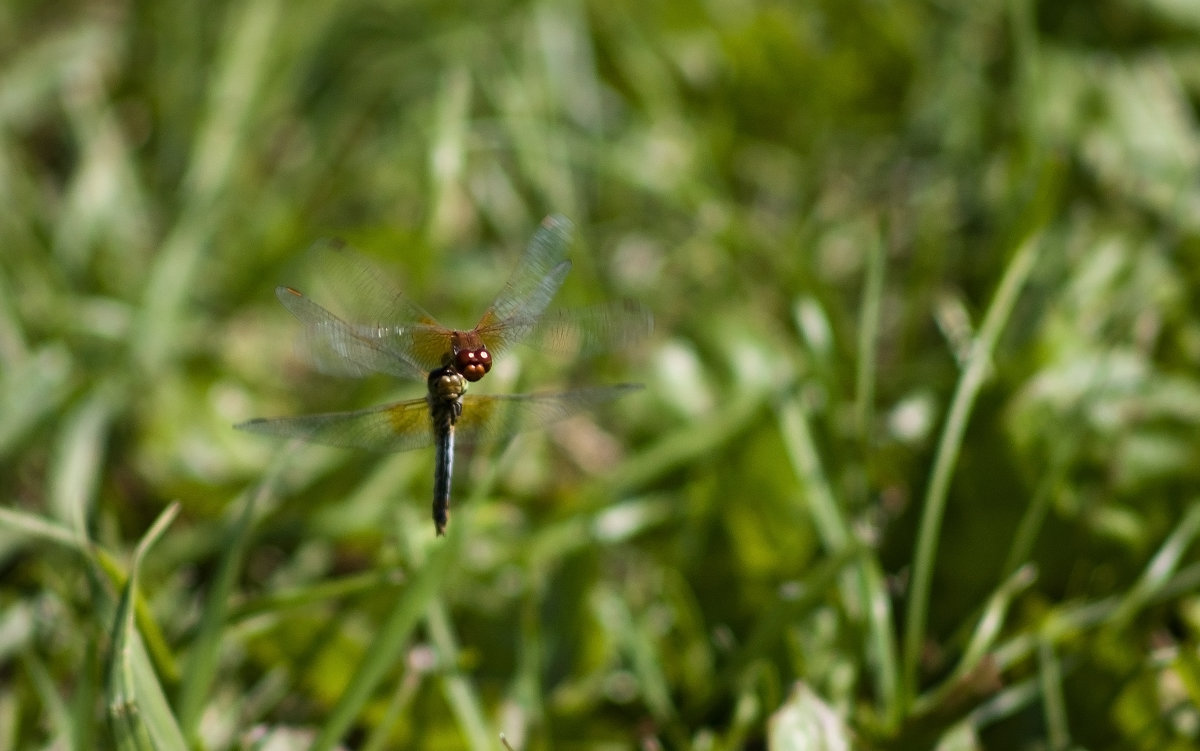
<point>917,459</point>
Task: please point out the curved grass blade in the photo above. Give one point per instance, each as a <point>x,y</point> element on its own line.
<point>138,713</point>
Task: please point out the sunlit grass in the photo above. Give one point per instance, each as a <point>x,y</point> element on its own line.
<point>916,457</point>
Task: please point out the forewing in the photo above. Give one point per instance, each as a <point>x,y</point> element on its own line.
<point>530,287</point>
<point>597,328</point>
<point>401,426</point>
<point>491,418</point>
<point>339,348</point>
<point>373,312</point>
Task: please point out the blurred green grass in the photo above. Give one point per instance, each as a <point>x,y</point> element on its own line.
<point>917,457</point>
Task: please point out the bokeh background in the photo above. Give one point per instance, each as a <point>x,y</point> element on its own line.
<point>916,460</point>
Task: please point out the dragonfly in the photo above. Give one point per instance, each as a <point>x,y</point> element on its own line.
<point>387,332</point>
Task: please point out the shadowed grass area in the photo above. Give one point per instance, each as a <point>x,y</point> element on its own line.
<point>915,464</point>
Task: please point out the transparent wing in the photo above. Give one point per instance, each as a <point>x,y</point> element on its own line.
<point>336,347</point>
<point>530,288</point>
<point>491,418</point>
<point>372,312</point>
<point>401,426</point>
<point>597,328</point>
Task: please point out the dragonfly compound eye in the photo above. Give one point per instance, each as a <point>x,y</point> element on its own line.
<point>473,363</point>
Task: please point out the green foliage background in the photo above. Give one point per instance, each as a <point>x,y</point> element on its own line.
<point>916,462</point>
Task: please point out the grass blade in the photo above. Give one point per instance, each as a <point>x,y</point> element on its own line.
<point>934,506</point>
<point>138,712</point>
<point>385,651</point>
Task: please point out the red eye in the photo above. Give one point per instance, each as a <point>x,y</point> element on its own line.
<point>473,364</point>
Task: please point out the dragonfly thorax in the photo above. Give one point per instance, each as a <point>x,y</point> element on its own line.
<point>446,384</point>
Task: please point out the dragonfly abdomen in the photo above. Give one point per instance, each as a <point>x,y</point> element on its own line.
<point>446,388</point>
<point>443,471</point>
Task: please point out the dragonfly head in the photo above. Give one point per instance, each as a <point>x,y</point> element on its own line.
<point>470,356</point>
